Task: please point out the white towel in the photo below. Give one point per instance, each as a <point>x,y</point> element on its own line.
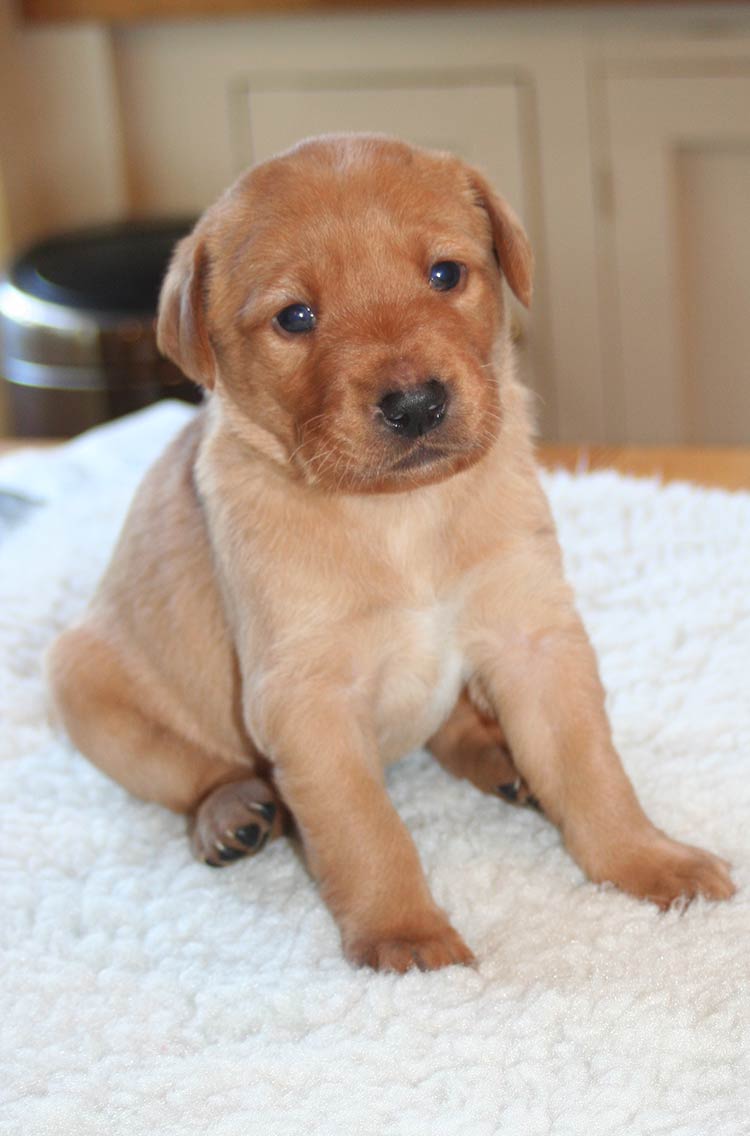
<point>143,993</point>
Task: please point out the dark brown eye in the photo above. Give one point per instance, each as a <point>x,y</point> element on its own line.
<point>296,319</point>
<point>444,275</point>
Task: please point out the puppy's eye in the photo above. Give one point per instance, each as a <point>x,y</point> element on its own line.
<point>296,319</point>
<point>446,274</point>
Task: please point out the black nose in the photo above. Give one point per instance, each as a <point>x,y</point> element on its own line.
<point>415,410</point>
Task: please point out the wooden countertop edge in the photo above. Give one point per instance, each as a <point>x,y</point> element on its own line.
<point>719,467</point>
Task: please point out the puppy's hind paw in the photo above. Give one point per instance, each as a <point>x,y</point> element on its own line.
<point>517,792</point>
<point>234,821</point>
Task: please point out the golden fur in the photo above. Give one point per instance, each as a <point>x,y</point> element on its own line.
<point>301,595</point>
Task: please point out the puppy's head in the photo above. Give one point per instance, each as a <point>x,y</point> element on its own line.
<point>345,299</point>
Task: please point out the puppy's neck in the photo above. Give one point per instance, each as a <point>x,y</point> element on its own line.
<point>253,444</point>
<point>243,463</point>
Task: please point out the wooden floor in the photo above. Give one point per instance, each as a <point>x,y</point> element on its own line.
<point>727,468</point>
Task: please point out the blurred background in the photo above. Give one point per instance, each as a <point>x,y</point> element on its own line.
<point>620,133</point>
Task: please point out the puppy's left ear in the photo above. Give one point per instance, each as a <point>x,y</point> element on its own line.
<point>512,246</point>
<point>181,332</point>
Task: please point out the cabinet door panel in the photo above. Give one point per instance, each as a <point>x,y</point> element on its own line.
<point>480,123</point>
<point>680,165</point>
<point>714,241</point>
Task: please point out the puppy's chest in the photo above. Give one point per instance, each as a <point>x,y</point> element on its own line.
<point>415,668</point>
<point>418,673</point>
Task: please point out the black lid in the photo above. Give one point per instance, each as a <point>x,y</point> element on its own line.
<point>112,268</point>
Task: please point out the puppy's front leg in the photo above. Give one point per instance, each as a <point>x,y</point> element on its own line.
<point>356,845</point>
<point>539,673</point>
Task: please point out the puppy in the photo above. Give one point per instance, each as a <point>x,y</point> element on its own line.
<point>347,554</point>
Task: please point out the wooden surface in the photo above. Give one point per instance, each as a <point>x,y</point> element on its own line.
<point>721,467</point>
<point>8,445</point>
<point>129,11</point>
<point>725,468</point>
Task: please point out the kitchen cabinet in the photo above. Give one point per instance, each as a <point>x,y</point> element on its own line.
<point>678,253</point>
<point>622,138</point>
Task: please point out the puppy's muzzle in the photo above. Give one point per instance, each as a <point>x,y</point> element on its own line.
<point>415,410</point>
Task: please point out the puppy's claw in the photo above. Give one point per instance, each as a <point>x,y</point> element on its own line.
<point>267,810</point>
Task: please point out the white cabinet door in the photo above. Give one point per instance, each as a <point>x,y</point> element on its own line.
<point>478,119</point>
<point>677,316</point>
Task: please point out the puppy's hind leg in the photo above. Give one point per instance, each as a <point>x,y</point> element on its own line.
<point>234,811</point>
<point>472,747</point>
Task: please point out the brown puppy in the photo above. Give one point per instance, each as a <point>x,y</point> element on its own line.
<point>348,555</point>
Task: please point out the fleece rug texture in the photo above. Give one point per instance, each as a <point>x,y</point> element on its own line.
<point>143,993</point>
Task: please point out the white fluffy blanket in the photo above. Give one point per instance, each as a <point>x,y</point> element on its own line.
<point>142,993</point>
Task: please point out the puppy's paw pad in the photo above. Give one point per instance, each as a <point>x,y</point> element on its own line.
<point>249,834</point>
<point>234,821</point>
<point>402,953</point>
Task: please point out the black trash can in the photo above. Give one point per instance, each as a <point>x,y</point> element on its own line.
<point>77,339</point>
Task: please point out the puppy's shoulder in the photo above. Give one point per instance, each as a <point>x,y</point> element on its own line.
<point>180,455</point>
<point>165,506</point>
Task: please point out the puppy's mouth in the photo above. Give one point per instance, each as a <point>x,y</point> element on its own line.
<point>423,464</point>
<point>426,463</point>
<point>422,454</point>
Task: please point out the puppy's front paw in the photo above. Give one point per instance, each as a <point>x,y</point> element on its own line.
<point>430,950</point>
<point>236,820</point>
<point>667,872</point>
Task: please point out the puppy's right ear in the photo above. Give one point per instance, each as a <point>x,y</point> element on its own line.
<point>512,247</point>
<point>181,325</point>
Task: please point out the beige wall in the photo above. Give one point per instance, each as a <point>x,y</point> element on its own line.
<point>60,158</point>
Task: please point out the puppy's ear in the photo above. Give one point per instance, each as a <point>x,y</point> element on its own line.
<point>512,246</point>
<point>181,325</point>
